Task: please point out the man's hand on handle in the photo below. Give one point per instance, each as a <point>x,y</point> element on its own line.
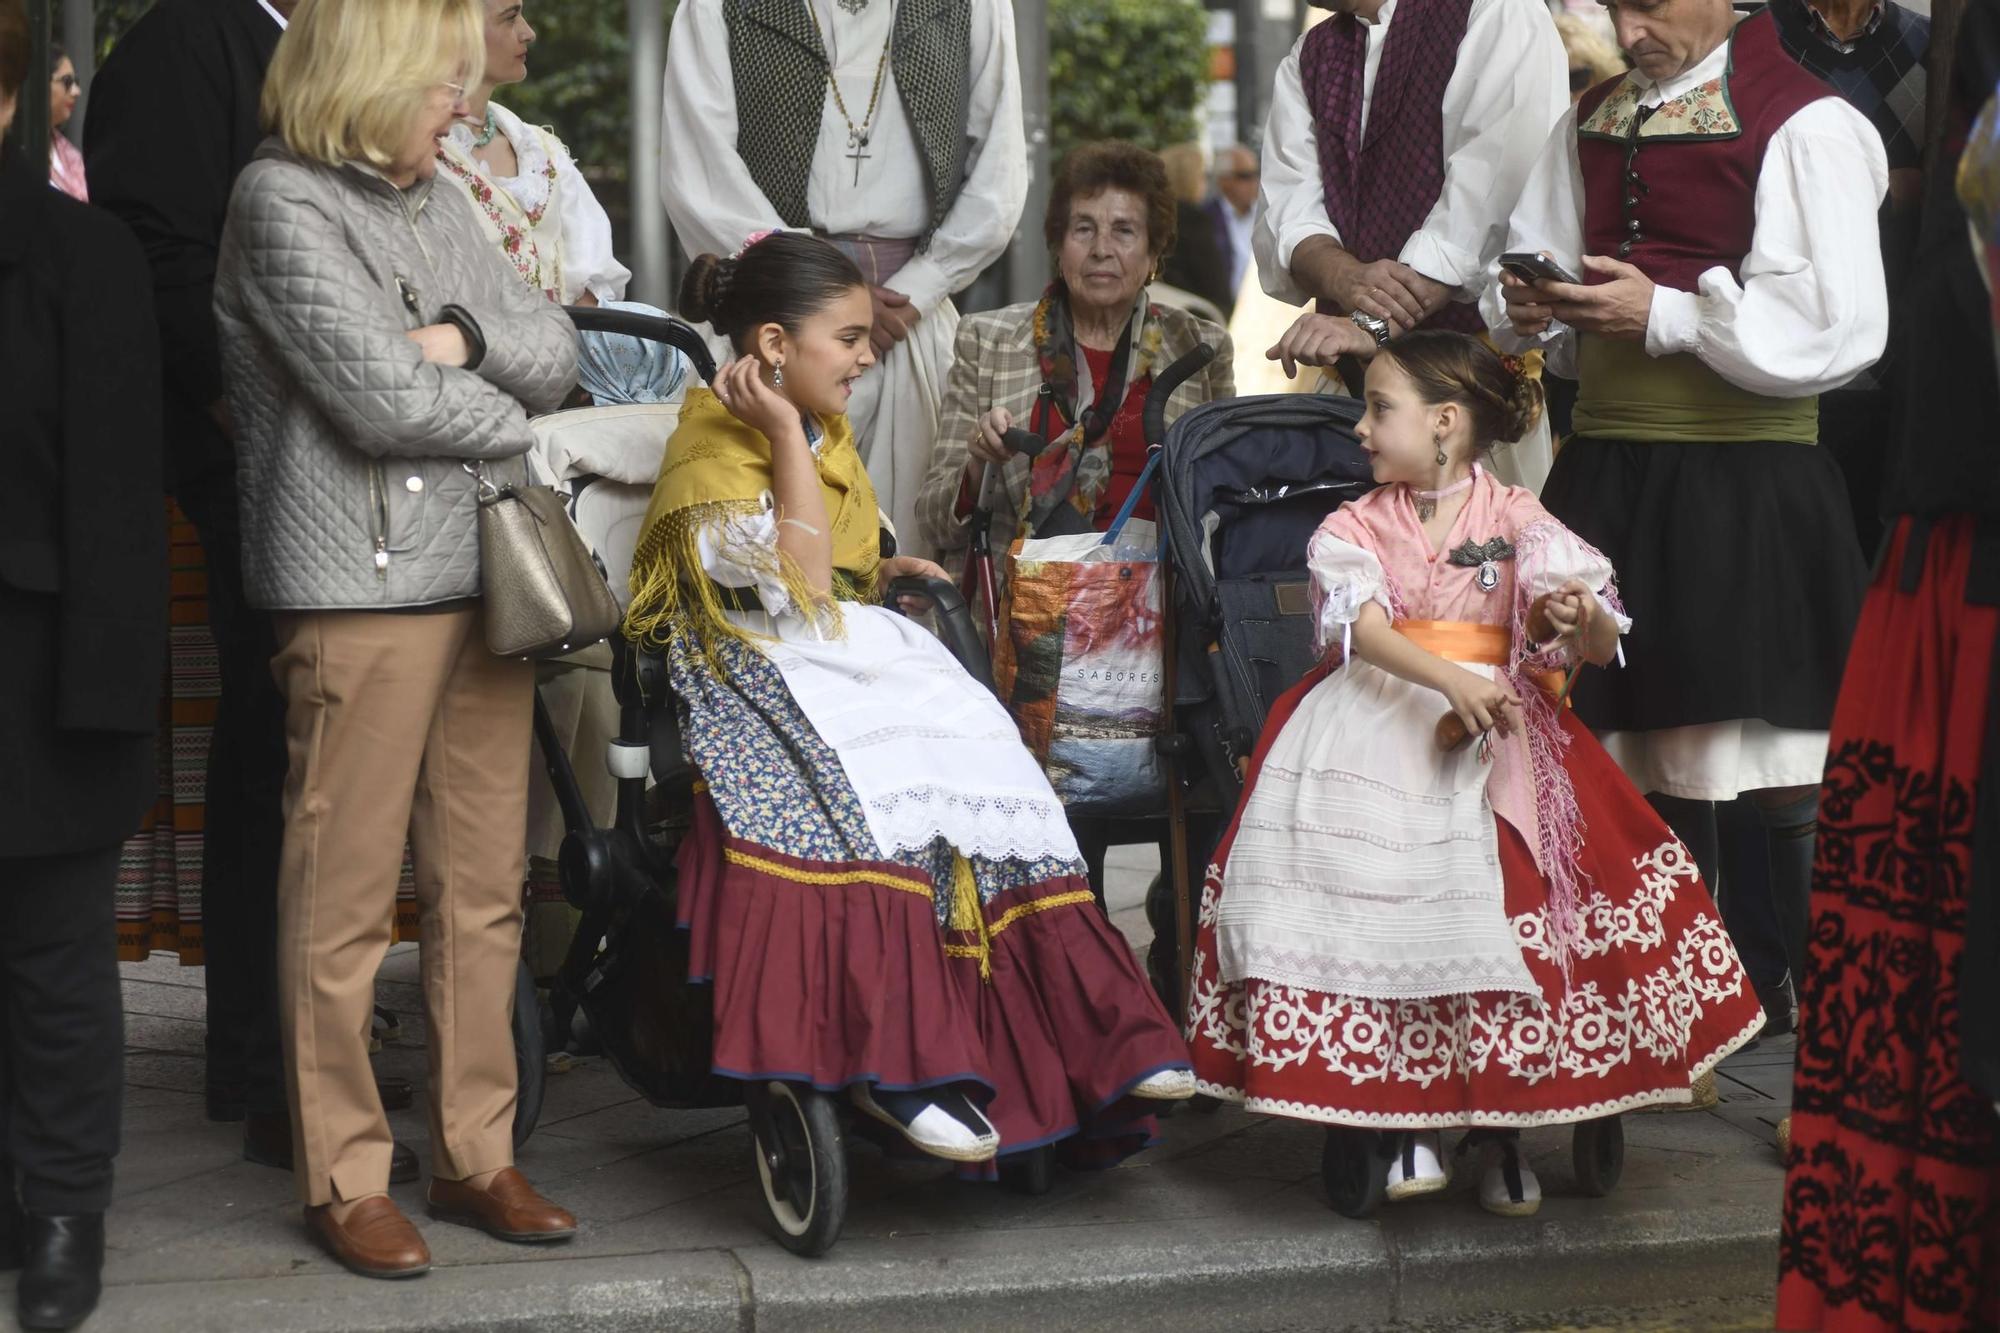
<point>1320,340</point>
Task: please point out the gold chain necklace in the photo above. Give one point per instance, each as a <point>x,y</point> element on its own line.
<point>857,136</point>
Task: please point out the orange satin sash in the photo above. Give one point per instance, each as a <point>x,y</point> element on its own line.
<point>1470,641</point>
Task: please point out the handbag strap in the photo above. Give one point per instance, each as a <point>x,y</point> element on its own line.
<point>1132,499</point>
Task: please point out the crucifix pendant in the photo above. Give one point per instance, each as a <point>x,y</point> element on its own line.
<point>855,143</point>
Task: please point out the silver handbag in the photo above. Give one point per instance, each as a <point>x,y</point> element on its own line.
<point>544,592</point>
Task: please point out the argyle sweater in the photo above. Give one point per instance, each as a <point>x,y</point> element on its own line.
<point>1882,75</point>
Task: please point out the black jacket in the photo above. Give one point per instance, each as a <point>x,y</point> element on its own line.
<point>83,543</point>
<point>173,118</point>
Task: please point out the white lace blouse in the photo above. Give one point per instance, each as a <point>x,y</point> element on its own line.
<point>564,234</point>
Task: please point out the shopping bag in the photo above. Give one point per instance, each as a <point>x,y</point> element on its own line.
<point>1080,664</point>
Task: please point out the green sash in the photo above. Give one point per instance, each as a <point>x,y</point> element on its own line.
<point>1624,394</point>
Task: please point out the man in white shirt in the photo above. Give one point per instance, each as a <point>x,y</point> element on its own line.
<point>892,127</point>
<point>1720,205</point>
<point>1399,137</point>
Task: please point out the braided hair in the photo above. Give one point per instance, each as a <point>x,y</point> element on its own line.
<point>782,278</point>
<point>1503,400</point>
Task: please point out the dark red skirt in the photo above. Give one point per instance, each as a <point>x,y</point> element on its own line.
<point>838,974</point>
<point>1892,1197</point>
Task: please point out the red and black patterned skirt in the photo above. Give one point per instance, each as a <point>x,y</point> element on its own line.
<point>1892,1198</point>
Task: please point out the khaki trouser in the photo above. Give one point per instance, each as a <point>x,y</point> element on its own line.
<point>395,723</point>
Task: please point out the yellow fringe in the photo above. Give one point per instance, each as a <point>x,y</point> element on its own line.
<point>672,596</point>
<point>967,916</point>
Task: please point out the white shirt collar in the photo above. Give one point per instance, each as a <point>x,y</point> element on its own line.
<point>1708,67</point>
<point>276,17</point>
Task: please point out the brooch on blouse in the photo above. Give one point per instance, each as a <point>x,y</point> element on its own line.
<point>1483,557</point>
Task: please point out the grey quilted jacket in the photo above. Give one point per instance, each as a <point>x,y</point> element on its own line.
<point>350,447</point>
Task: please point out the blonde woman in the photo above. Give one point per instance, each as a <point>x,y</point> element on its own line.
<point>378,353</point>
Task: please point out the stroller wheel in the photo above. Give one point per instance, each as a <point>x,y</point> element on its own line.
<point>1598,1150</point>
<point>531,1050</point>
<point>1031,1172</point>
<point>801,1156</point>
<point>1354,1170</point>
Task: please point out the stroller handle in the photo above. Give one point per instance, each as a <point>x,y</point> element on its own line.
<point>1023,442</point>
<point>653,328</point>
<point>1180,372</point>
<point>955,627</point>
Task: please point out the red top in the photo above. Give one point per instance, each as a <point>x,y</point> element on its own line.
<point>1128,443</point>
<point>1127,439</point>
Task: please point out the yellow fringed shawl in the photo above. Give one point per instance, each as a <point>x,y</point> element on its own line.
<point>717,468</point>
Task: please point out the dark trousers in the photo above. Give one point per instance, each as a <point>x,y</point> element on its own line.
<point>1750,908</point>
<point>1854,426</point>
<point>245,829</point>
<point>62,1029</point>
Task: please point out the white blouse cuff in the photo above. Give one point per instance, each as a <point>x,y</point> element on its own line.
<point>1673,324</point>
<point>742,552</point>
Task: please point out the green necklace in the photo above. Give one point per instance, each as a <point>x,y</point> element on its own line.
<point>486,133</point>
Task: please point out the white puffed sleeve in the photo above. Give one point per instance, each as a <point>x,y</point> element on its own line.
<point>1548,555</point>
<point>1345,578</point>
<point>741,551</point>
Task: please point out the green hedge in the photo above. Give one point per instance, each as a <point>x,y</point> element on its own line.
<point>1126,69</point>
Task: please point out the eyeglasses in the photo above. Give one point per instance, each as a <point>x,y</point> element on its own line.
<point>69,83</point>
<point>457,90</point>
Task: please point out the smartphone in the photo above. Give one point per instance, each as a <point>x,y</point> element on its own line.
<point>1531,267</point>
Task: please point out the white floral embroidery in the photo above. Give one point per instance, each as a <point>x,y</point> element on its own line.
<point>1592,1034</point>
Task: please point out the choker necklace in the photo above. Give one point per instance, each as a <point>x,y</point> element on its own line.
<point>486,131</point>
<point>1427,501</point>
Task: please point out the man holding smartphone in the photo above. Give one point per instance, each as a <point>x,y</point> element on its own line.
<point>1399,137</point>
<point>1719,204</point>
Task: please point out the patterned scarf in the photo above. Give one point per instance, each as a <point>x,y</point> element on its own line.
<point>1076,466</point>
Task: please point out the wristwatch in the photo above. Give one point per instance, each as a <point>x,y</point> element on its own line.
<point>1373,325</point>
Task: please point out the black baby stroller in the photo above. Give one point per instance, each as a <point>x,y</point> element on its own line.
<point>1243,484</point>
<point>627,964</point>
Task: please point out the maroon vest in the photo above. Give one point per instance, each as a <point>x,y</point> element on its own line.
<point>1690,202</point>
<point>1380,187</point>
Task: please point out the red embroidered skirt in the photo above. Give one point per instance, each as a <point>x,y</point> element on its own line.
<point>1892,1199</point>
<point>1657,995</point>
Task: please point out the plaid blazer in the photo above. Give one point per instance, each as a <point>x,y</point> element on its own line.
<point>994,366</point>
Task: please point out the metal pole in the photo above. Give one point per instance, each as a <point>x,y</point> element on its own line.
<point>32,115</point>
<point>80,39</point>
<point>651,263</point>
<point>1028,256</point>
<point>1249,69</point>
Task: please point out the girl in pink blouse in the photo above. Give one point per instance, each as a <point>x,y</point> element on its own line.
<point>1440,903</point>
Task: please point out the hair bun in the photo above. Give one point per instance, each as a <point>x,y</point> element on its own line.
<point>1524,402</point>
<point>705,288</point>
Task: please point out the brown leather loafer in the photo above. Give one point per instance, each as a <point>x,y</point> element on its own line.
<point>376,1240</point>
<point>507,1209</point>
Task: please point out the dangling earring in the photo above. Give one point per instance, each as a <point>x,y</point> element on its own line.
<point>778,376</point>
<point>1438,440</point>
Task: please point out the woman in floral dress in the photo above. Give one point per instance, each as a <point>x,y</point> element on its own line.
<point>1404,937</point>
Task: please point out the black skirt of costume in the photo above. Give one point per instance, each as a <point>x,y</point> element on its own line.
<point>1739,566</point>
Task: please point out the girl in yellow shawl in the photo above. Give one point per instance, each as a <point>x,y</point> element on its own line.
<point>880,883</point>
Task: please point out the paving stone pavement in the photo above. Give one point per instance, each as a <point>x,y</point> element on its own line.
<point>1224,1224</point>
